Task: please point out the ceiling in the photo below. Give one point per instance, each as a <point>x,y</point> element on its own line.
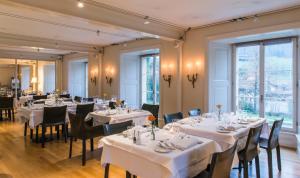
<point>29,21</point>
<point>193,13</point>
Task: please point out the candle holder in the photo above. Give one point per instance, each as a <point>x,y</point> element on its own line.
<point>108,80</point>
<point>192,78</point>
<point>168,78</point>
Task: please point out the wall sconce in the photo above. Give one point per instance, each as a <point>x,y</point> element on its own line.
<point>193,75</point>
<point>93,77</point>
<point>168,73</point>
<point>108,75</point>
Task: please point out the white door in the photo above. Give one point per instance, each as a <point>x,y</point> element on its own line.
<point>220,77</point>
<point>129,80</point>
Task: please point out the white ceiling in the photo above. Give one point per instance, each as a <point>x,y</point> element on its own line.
<point>192,13</point>
<point>29,21</point>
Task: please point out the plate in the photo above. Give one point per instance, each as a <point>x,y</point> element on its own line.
<point>223,131</point>
<point>159,149</point>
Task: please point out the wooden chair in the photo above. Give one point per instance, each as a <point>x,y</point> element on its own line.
<point>153,109</point>
<point>272,143</point>
<point>110,129</point>
<point>54,116</point>
<point>220,166</point>
<point>80,129</point>
<point>194,112</point>
<point>168,118</point>
<point>250,151</point>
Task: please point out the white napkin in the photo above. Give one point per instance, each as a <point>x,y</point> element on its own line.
<point>183,142</point>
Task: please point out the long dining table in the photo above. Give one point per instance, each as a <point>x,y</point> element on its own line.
<point>209,128</point>
<point>190,155</point>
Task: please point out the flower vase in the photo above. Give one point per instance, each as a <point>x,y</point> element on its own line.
<point>152,132</point>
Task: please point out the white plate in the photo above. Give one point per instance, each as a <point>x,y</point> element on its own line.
<point>243,122</point>
<point>223,131</point>
<point>162,150</point>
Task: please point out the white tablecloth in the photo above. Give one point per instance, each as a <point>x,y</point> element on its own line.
<point>139,117</point>
<point>34,115</point>
<point>143,161</point>
<point>208,129</point>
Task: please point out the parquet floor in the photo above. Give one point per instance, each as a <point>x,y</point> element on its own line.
<point>19,158</point>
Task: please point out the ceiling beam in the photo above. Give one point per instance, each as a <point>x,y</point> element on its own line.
<point>99,12</point>
<point>27,55</point>
<point>20,40</point>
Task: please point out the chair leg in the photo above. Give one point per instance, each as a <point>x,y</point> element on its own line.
<point>92,144</point>
<point>70,151</point>
<point>51,132</point>
<point>25,129</point>
<point>134,176</point>
<point>106,171</point>
<point>245,164</point>
<point>65,133</point>
<point>57,131</point>
<point>240,167</point>
<point>31,134</point>
<point>9,114</point>
<point>13,115</point>
<point>128,175</point>
<point>43,136</point>
<point>257,167</point>
<point>83,152</point>
<point>278,157</point>
<point>269,151</point>
<point>37,134</point>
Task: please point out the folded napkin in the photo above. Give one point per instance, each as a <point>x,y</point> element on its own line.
<point>183,142</point>
<point>229,127</point>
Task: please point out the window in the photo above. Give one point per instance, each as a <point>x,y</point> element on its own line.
<point>265,80</point>
<point>150,79</point>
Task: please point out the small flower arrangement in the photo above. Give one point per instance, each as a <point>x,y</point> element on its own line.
<point>151,118</point>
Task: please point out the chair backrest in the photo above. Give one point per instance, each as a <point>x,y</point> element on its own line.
<point>221,163</point>
<point>274,134</point>
<point>6,102</point>
<point>54,115</point>
<point>195,112</point>
<point>110,129</point>
<point>169,117</point>
<point>38,97</point>
<point>88,99</point>
<point>112,105</point>
<point>83,110</point>
<point>154,109</point>
<point>64,96</point>
<point>77,99</point>
<point>250,149</point>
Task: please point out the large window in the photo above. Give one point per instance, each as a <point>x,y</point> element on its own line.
<point>150,79</point>
<point>265,80</point>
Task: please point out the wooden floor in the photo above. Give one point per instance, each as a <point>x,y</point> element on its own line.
<point>19,158</point>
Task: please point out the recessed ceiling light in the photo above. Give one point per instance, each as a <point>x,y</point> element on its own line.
<point>80,4</point>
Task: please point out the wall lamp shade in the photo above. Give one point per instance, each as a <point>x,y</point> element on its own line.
<point>34,80</point>
<point>167,76</point>
<point>192,75</point>
<point>94,77</point>
<point>109,71</point>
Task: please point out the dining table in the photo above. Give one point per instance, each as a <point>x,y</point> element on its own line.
<point>112,116</point>
<point>225,134</point>
<point>170,155</point>
<point>33,114</point>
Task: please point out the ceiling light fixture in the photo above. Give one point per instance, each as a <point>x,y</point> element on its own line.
<point>80,4</point>
<point>98,32</point>
<point>146,22</point>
